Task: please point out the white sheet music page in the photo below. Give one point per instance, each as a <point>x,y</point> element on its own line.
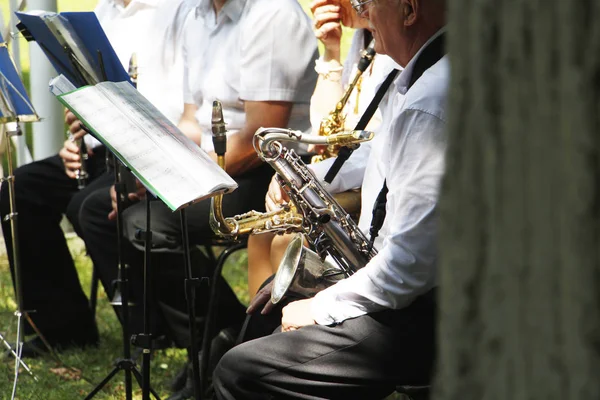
<point>169,164</point>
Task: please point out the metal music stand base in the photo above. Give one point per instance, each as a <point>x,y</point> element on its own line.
<point>13,218</point>
<point>127,363</point>
<point>191,284</point>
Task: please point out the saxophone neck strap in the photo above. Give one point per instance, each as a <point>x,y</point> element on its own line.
<point>429,56</point>
<point>345,152</point>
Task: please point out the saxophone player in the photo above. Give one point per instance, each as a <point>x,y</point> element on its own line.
<point>374,330</point>
<point>266,250</point>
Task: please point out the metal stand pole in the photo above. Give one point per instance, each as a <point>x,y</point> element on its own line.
<point>190,293</point>
<point>13,218</point>
<point>144,340</point>
<point>126,364</point>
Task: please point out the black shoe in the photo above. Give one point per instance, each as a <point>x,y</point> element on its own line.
<point>220,344</point>
<point>187,390</point>
<point>180,378</point>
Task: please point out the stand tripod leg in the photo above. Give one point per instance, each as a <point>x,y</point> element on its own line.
<point>139,379</point>
<point>103,383</point>
<point>14,354</point>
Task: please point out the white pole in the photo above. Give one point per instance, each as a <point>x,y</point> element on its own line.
<point>49,134</point>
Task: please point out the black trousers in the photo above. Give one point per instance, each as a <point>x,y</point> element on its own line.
<point>167,255</point>
<point>361,358</point>
<point>51,288</point>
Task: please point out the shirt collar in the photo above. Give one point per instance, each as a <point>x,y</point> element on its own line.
<point>232,8</point>
<point>404,78</point>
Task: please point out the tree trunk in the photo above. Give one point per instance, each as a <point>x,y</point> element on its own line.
<point>520,249</point>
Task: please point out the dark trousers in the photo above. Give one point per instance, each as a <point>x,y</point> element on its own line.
<point>51,288</point>
<point>361,358</point>
<point>167,258</point>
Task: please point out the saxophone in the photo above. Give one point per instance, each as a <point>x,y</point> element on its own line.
<point>334,122</point>
<point>326,226</point>
<point>312,211</point>
<point>285,220</point>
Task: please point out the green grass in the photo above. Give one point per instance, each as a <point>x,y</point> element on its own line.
<point>81,370</point>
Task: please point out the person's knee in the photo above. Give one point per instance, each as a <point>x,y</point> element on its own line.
<point>134,223</point>
<point>91,209</point>
<point>226,377</point>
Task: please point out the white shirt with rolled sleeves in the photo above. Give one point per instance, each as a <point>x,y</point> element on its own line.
<point>411,160</point>
<point>151,29</point>
<point>254,50</point>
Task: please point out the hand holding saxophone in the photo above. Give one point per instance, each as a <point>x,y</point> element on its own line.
<point>275,196</point>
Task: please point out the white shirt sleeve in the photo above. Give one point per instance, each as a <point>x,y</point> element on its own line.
<point>188,93</point>
<point>270,68</point>
<point>405,266</point>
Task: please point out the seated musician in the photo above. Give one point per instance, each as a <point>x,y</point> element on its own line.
<point>266,250</point>
<point>256,58</point>
<point>47,189</point>
<point>374,330</point>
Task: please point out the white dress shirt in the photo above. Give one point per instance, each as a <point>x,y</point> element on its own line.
<point>254,50</point>
<point>152,29</point>
<point>410,158</point>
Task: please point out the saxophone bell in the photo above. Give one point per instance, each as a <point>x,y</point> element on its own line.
<point>303,273</point>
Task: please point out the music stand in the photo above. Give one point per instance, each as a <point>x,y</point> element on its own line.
<point>15,107</point>
<point>67,39</point>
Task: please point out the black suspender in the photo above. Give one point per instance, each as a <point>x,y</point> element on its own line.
<point>345,152</point>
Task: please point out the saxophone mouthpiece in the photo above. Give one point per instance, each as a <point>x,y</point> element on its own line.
<point>350,137</point>
<point>366,57</point>
<point>219,130</point>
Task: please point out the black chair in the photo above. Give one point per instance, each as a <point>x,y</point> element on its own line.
<point>230,248</point>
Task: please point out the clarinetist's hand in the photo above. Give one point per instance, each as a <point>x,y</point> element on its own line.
<point>275,196</point>
<point>74,125</point>
<point>70,157</point>
<point>134,197</point>
<point>70,151</point>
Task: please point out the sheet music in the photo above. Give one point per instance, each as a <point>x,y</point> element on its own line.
<point>14,102</point>
<point>168,163</point>
<point>66,36</point>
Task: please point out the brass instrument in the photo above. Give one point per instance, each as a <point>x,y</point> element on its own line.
<point>285,220</point>
<point>311,211</point>
<point>326,225</point>
<point>334,122</point>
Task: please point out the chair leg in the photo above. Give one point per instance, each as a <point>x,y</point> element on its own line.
<point>211,314</point>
